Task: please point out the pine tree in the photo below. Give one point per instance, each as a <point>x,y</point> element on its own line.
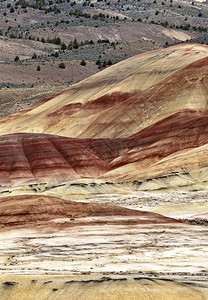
<point>75,44</point>
<point>34,56</point>
<point>83,62</point>
<point>16,58</point>
<point>62,65</point>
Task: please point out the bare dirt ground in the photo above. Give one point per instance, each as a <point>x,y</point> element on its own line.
<point>87,287</point>
<point>111,244</point>
<point>167,259</point>
<point>9,48</point>
<point>23,85</point>
<point>176,251</point>
<point>14,99</point>
<point>148,200</point>
<point>49,74</point>
<point>125,29</point>
<point>137,260</point>
<point>183,205</point>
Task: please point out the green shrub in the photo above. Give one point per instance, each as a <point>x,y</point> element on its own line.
<point>62,65</point>
<point>83,62</point>
<point>16,58</point>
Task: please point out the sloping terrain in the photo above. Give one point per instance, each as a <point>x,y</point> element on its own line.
<point>27,211</point>
<point>144,86</point>
<point>138,125</point>
<point>91,287</point>
<point>37,37</point>
<point>144,118</point>
<point>188,211</point>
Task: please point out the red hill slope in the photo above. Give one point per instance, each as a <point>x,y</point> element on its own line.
<point>29,211</point>
<point>141,119</point>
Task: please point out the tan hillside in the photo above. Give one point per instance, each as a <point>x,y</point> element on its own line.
<point>121,100</point>
<point>144,118</point>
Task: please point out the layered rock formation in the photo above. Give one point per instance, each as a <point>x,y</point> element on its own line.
<point>27,211</point>
<point>144,118</point>
<point>140,124</point>
<point>132,95</point>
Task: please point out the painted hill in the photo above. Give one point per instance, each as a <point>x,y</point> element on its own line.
<point>123,99</point>
<point>144,119</point>
<point>34,210</point>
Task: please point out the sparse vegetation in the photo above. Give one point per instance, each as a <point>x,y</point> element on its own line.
<point>83,62</point>
<point>16,58</point>
<point>197,221</point>
<point>109,63</point>
<point>62,65</point>
<point>55,18</point>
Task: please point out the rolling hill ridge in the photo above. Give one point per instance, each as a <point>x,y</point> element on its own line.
<point>142,119</point>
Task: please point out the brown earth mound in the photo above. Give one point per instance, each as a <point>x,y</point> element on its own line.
<point>29,210</point>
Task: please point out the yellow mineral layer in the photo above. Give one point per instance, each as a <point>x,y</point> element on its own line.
<point>88,288</point>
